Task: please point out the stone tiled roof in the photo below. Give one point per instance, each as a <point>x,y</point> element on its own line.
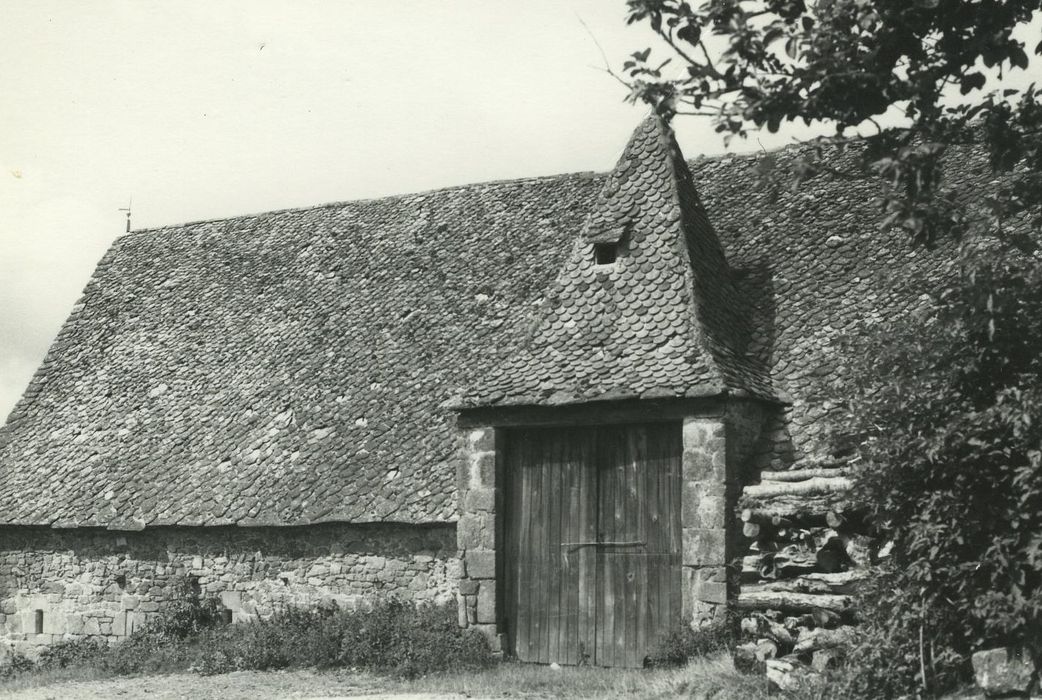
<point>662,320</point>
<point>287,368</point>
<point>284,368</point>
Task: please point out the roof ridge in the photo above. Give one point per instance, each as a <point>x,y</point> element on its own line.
<point>578,174</point>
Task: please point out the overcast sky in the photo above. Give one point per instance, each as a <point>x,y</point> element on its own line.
<point>203,110</point>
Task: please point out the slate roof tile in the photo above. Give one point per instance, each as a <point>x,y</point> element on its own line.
<point>648,324</point>
<point>279,368</point>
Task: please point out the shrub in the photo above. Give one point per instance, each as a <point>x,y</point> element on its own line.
<point>684,643</point>
<point>185,616</point>
<point>292,637</point>
<point>946,411</point>
<point>392,637</point>
<point>16,665</point>
<point>64,654</point>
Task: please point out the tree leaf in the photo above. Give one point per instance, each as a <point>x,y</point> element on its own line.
<point>971,81</point>
<point>690,33</point>
<point>1018,58</point>
<point>792,46</point>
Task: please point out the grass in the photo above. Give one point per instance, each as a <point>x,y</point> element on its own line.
<point>706,677</point>
<point>390,646</point>
<point>711,676</point>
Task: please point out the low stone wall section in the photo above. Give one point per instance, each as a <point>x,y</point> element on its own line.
<point>105,584</point>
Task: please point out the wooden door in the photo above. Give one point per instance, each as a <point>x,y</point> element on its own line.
<point>592,570</point>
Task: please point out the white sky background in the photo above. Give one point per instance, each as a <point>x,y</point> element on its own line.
<point>212,109</point>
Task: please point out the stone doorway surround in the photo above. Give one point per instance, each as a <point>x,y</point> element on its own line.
<point>719,437</point>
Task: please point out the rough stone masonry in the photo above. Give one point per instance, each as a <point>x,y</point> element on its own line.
<point>105,584</point>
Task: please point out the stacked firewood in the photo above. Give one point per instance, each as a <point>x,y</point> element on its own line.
<point>807,549</point>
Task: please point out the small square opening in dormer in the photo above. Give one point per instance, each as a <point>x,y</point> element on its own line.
<point>605,253</point>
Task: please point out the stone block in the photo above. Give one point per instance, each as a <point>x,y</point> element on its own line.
<point>480,499</point>
<point>712,592</point>
<point>135,621</point>
<point>461,612</point>
<point>703,505</point>
<point>704,547</point>
<point>91,626</point>
<point>491,634</point>
<point>482,470</point>
<point>481,564</point>
<point>231,600</point>
<point>487,602</point>
<point>129,602</point>
<point>54,621</point>
<point>694,431</point>
<point>148,606</point>
<point>476,531</point>
<point>74,624</point>
<point>468,587</point>
<point>704,457</point>
<point>482,440</point>
<point>119,624</point>
<point>1003,671</point>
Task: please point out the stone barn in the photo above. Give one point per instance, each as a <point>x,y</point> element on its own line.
<point>539,399</point>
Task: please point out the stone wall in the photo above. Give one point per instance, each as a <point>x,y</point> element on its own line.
<point>479,532</point>
<point>105,584</point>
<point>718,460</point>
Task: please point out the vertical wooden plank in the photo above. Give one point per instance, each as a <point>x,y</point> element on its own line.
<point>619,554</point>
<point>669,540</point>
<point>587,527</point>
<point>550,449</point>
<point>569,639</point>
<point>523,467</point>
<point>641,465</point>
<point>667,616</point>
<point>675,441</point>
<point>652,537</point>
<point>565,629</point>
<point>605,533</point>
<point>509,515</point>
<point>555,464</point>
<point>535,608</point>
<point>668,457</point>
<point>622,553</point>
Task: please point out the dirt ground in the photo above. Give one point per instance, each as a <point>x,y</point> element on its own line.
<point>244,685</point>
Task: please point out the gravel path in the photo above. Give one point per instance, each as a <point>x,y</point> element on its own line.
<point>242,685</point>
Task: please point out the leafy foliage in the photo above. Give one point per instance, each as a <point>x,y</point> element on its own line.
<point>861,66</point>
<point>684,643</point>
<point>395,638</point>
<point>71,653</point>
<point>14,666</point>
<point>947,408</point>
<point>391,637</point>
